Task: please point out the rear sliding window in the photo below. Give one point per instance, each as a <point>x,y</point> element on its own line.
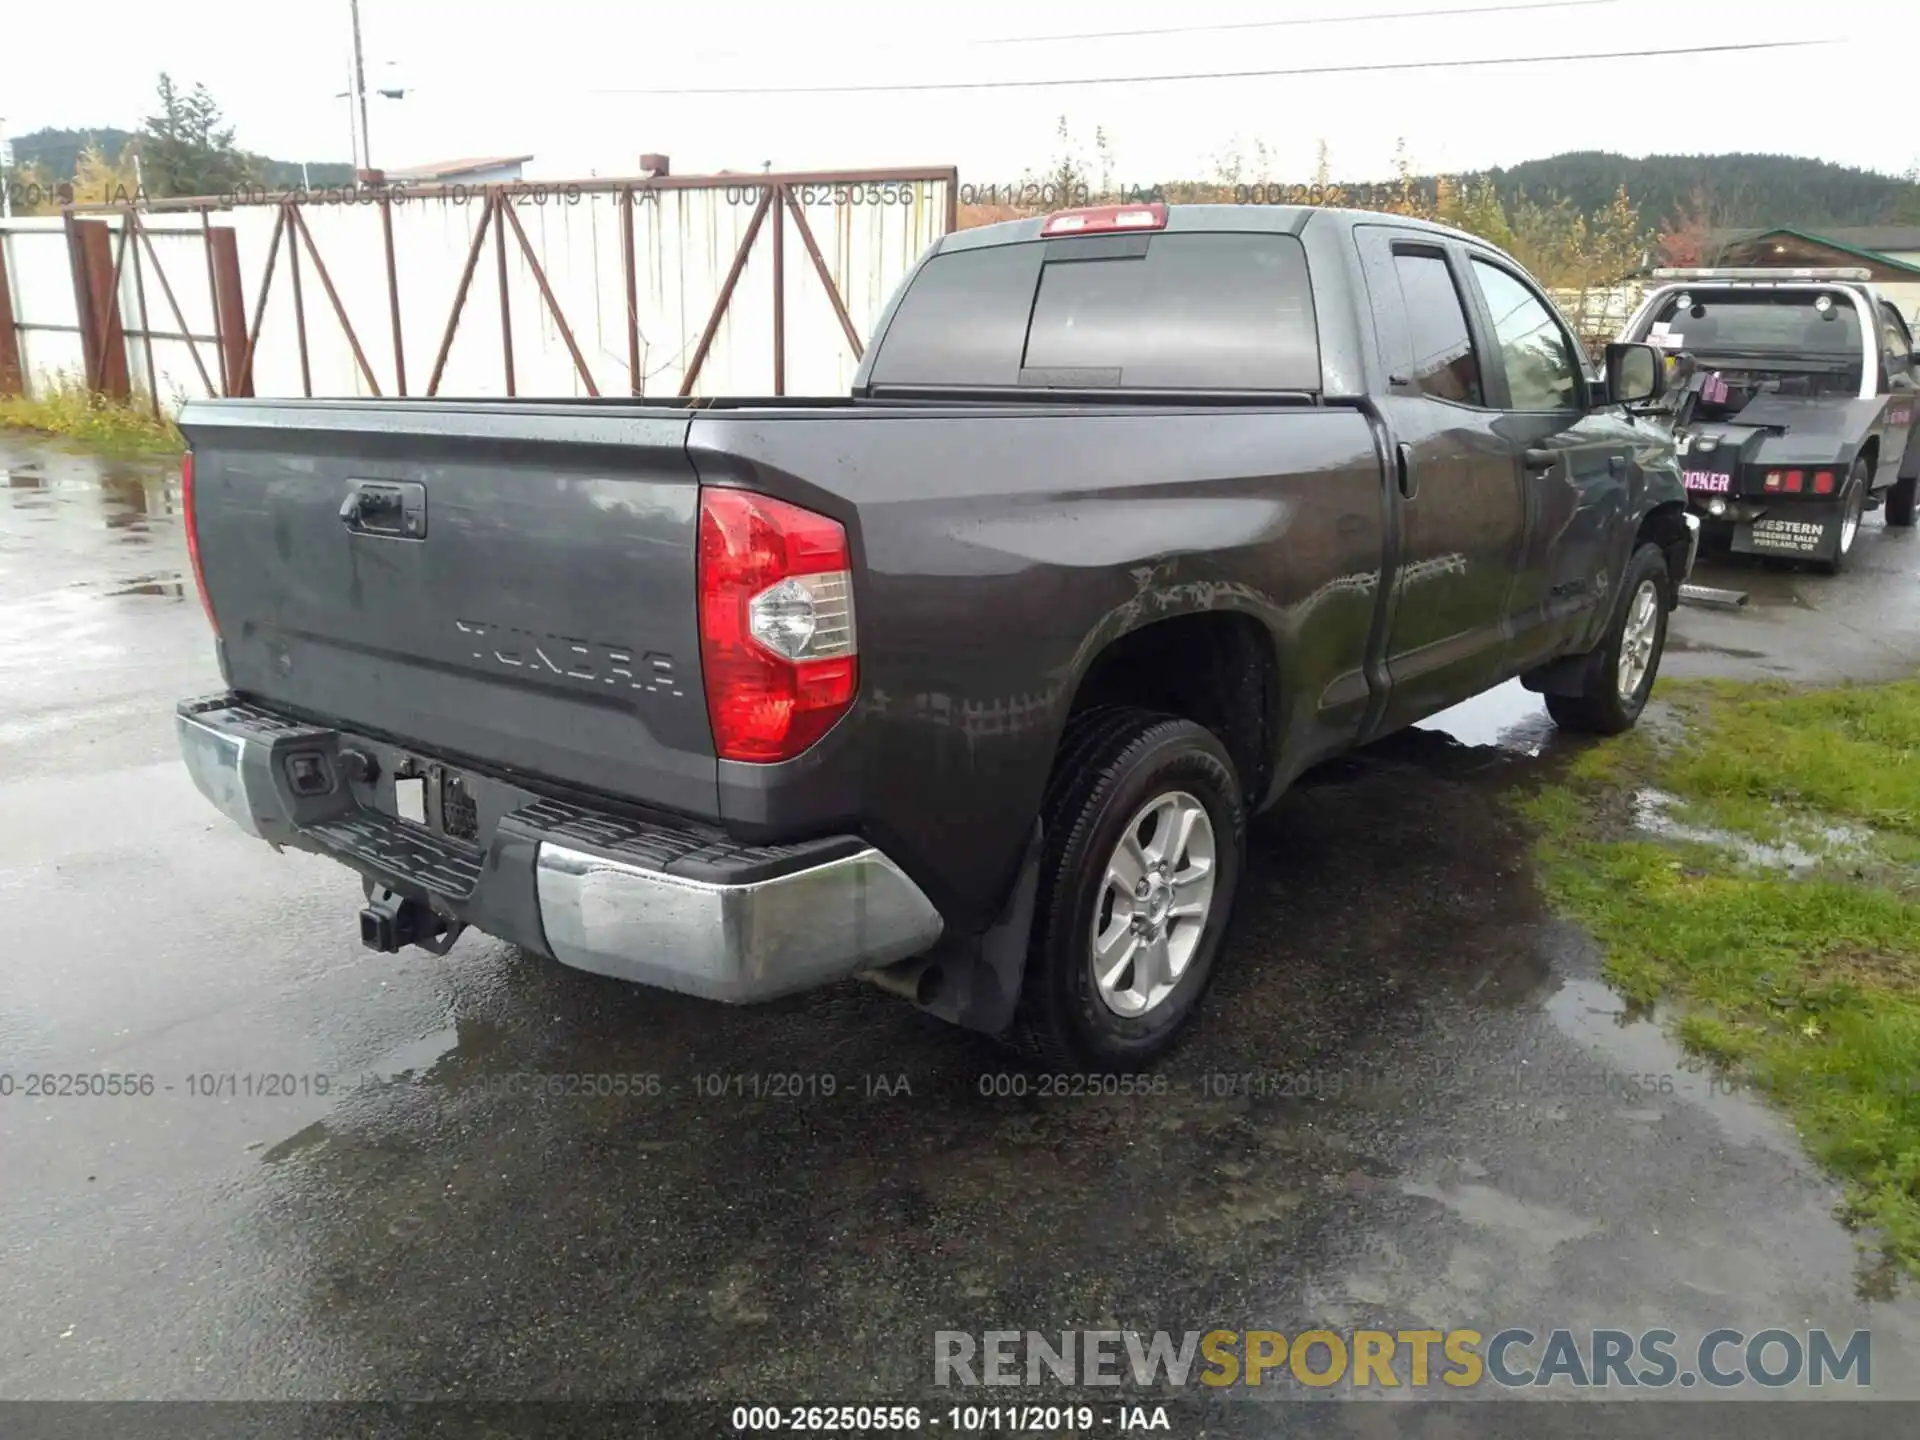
<point>1761,325</point>
<point>1165,312</point>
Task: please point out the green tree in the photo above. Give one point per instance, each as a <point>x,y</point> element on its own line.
<point>1474,205</point>
<point>1906,208</point>
<point>187,147</point>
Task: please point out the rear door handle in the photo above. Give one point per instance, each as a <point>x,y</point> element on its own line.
<point>1537,460</point>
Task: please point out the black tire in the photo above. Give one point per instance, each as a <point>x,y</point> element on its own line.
<point>1900,502</point>
<point>1111,764</point>
<point>1853,501</point>
<point>1600,708</point>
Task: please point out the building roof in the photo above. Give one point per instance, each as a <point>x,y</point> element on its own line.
<point>454,169</point>
<point>1879,238</point>
<point>1849,240</point>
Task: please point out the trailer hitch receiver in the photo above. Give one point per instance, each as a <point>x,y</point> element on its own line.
<point>390,922</point>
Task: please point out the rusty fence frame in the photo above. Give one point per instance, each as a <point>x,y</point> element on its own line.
<point>98,268</point>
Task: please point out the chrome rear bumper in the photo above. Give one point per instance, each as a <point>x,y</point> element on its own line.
<point>731,942</point>
<point>795,918</point>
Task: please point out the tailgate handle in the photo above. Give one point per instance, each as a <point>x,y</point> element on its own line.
<point>395,508</point>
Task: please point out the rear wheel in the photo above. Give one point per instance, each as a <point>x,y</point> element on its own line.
<point>1145,839</point>
<point>1900,502</point>
<point>1619,675</point>
<point>1853,504</point>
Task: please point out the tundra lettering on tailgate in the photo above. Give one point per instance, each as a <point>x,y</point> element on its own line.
<point>570,657</point>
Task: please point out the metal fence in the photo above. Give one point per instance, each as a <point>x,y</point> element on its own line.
<point>685,285</point>
<point>1599,313</point>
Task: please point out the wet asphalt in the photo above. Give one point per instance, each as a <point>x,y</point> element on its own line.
<point>1450,1121</point>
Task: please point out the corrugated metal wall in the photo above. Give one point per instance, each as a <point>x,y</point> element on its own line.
<point>40,277</point>
<point>685,241</point>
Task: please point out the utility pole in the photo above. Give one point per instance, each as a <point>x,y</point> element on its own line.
<point>360,89</point>
<point>353,126</point>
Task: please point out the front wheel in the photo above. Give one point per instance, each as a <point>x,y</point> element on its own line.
<point>1618,676</point>
<point>1145,838</point>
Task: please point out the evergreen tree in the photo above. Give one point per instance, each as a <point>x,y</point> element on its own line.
<point>186,148</point>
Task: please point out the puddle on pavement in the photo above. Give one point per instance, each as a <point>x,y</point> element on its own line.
<point>1700,647</point>
<point>411,1061</point>
<point>414,1059</point>
<point>1590,1014</point>
<point>306,1139</point>
<point>125,496</point>
<point>1520,1223</point>
<point>1763,587</point>
<point>1509,717</point>
<point>168,586</point>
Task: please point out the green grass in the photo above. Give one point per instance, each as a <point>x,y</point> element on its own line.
<point>62,406</point>
<point>1805,983</point>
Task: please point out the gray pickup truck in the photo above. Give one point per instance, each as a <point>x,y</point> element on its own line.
<point>967,682</point>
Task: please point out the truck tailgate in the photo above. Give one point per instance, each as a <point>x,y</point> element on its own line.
<point>513,587</point>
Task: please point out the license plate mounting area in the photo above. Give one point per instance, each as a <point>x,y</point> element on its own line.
<point>436,797</point>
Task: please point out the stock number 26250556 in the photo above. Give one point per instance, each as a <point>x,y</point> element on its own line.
<point>857,1418</point>
<point>68,1085</point>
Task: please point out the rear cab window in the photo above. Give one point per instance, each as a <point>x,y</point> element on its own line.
<point>1443,363</point>
<point>1755,325</point>
<point>1179,310</point>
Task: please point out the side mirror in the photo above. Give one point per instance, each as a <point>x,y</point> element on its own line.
<point>1636,374</point>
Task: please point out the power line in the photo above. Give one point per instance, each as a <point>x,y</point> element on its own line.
<point>1061,84</point>
<point>1238,25</point>
<point>1296,20</point>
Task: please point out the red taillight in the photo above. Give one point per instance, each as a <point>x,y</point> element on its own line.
<point>1823,482</point>
<point>193,537</point>
<point>1796,481</point>
<point>777,645</point>
<point>1102,219</point>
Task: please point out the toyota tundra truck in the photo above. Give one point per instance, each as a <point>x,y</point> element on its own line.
<point>966,682</point>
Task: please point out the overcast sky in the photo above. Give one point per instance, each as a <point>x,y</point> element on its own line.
<point>577,82</point>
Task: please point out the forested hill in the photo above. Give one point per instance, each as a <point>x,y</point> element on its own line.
<point>1738,190</point>
<point>57,152</point>
<point>1728,191</point>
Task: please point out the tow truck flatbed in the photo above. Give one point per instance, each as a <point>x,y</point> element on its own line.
<point>1793,400</point>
